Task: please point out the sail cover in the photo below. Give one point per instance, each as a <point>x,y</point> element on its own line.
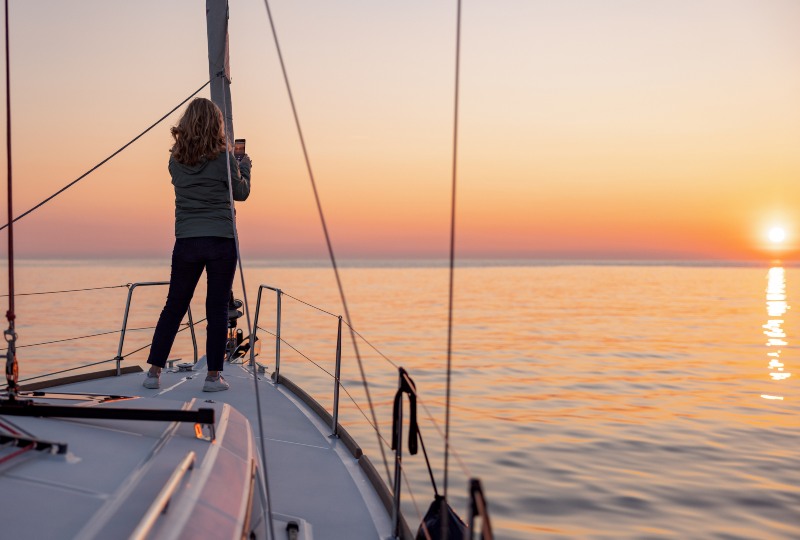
<point>218,60</point>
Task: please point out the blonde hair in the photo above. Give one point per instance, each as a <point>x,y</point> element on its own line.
<point>200,133</point>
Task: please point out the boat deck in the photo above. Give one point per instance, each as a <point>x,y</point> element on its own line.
<point>313,478</point>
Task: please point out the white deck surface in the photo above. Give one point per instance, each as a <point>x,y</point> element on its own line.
<point>311,475</point>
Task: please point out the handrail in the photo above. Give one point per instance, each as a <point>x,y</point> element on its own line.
<point>478,511</point>
<point>131,288</point>
<point>277,378</point>
<point>277,327</point>
<point>163,498</point>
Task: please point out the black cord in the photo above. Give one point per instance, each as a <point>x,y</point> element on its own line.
<point>87,173</point>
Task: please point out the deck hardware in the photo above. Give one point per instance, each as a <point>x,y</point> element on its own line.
<point>279,294</point>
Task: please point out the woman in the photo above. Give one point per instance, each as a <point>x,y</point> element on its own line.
<point>203,235</point>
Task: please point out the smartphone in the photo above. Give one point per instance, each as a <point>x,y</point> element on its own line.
<point>238,149</point>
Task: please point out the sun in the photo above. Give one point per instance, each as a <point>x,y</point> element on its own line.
<point>777,235</point>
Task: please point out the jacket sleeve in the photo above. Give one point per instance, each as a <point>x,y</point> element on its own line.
<point>240,177</point>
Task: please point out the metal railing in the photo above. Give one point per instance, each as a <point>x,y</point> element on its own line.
<point>479,523</point>
<point>338,369</point>
<point>131,288</point>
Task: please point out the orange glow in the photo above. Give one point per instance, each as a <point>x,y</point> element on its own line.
<point>575,140</point>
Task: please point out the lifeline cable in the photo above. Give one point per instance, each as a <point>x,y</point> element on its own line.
<point>87,173</point>
<point>327,236</point>
<point>68,290</point>
<point>104,361</point>
<point>250,329</point>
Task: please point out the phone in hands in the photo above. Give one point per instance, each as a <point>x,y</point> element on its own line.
<point>238,149</point>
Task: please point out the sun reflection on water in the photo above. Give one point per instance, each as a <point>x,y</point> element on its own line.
<point>777,306</point>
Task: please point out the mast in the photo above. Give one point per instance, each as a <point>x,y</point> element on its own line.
<point>10,335</point>
<point>218,60</point>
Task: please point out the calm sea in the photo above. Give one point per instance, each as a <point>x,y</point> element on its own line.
<point>593,401</point>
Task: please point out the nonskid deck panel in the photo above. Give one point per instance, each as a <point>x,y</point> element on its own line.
<point>311,475</point>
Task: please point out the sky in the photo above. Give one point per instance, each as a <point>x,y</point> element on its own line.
<point>588,129</point>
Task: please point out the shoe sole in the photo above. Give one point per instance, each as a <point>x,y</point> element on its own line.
<point>215,389</point>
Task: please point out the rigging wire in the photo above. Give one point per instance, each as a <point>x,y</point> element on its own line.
<point>309,305</point>
<point>68,290</point>
<point>250,329</point>
<point>452,265</point>
<point>325,231</point>
<point>87,173</point>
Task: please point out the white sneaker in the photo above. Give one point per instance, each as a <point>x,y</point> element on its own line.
<point>215,384</point>
<point>151,381</point>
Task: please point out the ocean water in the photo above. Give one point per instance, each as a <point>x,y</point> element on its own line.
<point>593,401</point>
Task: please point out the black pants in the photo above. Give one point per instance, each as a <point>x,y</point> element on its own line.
<point>189,257</point>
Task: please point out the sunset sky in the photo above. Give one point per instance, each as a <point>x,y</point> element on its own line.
<point>589,129</point>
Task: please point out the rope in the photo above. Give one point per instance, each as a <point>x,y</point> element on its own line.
<point>11,456</point>
<point>228,144</point>
<point>87,173</point>
<point>452,265</point>
<point>68,290</point>
<point>428,463</point>
<point>325,229</point>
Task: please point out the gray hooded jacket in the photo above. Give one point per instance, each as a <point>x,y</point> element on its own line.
<point>202,202</point>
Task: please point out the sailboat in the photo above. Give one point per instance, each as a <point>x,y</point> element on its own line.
<point>99,456</point>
